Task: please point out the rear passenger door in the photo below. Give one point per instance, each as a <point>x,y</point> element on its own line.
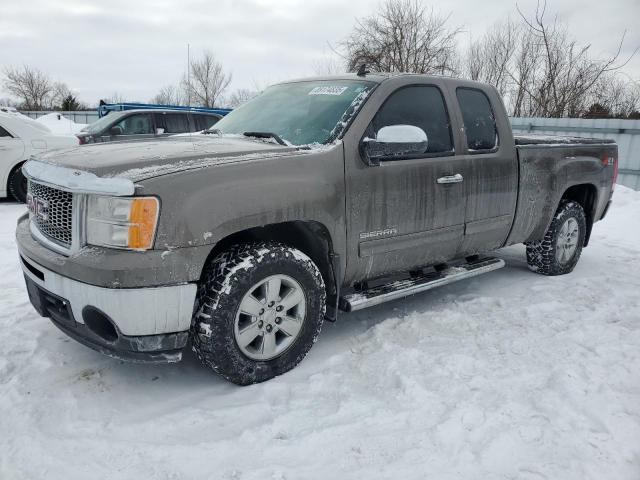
<point>172,123</point>
<point>491,178</point>
<point>404,213</point>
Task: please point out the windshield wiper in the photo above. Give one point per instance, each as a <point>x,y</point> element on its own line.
<point>275,136</point>
<point>213,131</point>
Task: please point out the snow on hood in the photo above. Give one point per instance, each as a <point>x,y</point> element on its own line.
<point>141,160</point>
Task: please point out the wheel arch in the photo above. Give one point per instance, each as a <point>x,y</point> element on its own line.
<point>586,194</point>
<point>9,174</point>
<point>310,237</point>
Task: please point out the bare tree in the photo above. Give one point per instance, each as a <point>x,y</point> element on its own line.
<point>59,92</point>
<point>490,59</point>
<point>616,95</point>
<point>32,86</point>
<point>240,96</point>
<point>566,71</point>
<point>402,37</point>
<point>116,97</point>
<point>207,80</point>
<point>541,71</point>
<point>329,65</point>
<point>523,74</point>
<point>170,95</point>
<point>7,102</point>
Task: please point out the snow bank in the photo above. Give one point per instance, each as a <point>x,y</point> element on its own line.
<point>59,124</point>
<point>510,375</point>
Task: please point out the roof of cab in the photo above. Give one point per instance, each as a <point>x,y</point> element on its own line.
<point>165,110</point>
<point>377,77</point>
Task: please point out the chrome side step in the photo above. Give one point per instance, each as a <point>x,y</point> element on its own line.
<point>403,288</point>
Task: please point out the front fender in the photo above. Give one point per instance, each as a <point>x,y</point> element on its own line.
<point>203,206</point>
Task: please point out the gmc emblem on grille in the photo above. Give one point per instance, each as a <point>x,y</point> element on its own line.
<point>38,207</point>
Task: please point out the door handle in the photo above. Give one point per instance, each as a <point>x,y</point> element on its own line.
<point>457,178</point>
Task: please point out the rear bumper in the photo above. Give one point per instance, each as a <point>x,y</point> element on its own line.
<point>138,324</point>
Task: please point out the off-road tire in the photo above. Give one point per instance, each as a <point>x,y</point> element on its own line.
<point>227,278</point>
<point>541,255</point>
<point>18,184</point>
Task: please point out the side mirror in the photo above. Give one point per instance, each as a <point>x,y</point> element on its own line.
<point>394,141</point>
<point>115,130</point>
<point>159,131</point>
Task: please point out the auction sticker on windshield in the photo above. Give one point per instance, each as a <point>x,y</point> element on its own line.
<point>327,90</point>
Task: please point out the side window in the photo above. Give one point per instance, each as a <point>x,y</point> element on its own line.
<point>479,122</point>
<point>420,106</point>
<point>138,124</point>
<point>204,122</point>
<point>4,133</point>
<point>174,122</point>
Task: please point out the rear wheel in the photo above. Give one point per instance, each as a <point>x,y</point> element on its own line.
<point>559,251</point>
<point>259,310</point>
<point>18,184</point>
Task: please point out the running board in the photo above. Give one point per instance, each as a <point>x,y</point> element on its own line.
<point>403,288</point>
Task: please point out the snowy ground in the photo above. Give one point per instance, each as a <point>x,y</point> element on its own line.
<point>507,376</point>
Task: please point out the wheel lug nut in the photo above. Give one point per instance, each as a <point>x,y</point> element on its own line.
<point>279,308</point>
<point>269,328</point>
<point>271,304</point>
<point>278,320</point>
<point>260,324</point>
<point>261,311</point>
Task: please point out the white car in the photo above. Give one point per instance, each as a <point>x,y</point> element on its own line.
<point>20,138</point>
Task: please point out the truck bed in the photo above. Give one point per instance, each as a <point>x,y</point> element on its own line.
<point>536,139</point>
<point>548,164</point>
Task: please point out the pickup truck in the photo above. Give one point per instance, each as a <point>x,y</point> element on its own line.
<point>319,195</point>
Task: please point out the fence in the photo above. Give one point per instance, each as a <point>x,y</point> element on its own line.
<point>626,133</point>
<point>88,116</point>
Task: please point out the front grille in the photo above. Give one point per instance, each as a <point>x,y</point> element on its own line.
<point>53,214</point>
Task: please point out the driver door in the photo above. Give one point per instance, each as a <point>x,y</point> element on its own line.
<point>134,127</point>
<point>409,210</point>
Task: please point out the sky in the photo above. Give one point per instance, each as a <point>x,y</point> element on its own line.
<point>135,47</point>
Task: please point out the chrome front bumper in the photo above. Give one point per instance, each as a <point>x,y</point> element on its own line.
<point>133,311</point>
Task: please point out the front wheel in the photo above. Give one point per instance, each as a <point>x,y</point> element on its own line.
<point>259,310</point>
<point>559,251</point>
<point>18,184</point>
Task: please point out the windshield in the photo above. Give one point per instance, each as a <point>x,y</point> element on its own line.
<point>99,125</point>
<point>300,113</point>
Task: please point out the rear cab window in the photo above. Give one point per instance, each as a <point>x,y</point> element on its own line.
<point>479,120</point>
<point>204,122</point>
<point>422,106</point>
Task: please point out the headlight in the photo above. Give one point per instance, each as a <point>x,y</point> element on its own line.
<point>122,222</point>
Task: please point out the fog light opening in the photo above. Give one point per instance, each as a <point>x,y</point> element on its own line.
<point>100,324</point>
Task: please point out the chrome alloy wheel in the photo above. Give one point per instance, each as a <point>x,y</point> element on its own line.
<point>270,317</point>
<point>567,240</point>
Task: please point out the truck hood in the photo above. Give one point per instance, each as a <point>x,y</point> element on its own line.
<point>145,159</point>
